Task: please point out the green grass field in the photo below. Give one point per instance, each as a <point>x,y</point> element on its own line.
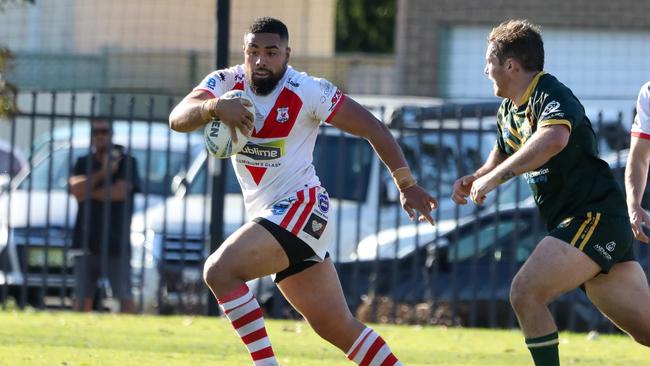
<point>64,338</point>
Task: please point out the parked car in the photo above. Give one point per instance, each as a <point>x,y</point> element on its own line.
<point>37,215</point>
<point>363,197</point>
<point>468,270</point>
<point>12,162</point>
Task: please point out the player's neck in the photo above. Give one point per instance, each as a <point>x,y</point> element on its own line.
<point>520,87</point>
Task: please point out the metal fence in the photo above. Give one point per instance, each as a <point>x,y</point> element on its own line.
<point>392,270</point>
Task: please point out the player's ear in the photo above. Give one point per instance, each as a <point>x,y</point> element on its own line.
<point>288,52</point>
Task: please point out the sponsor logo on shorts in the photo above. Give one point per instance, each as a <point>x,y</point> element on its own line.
<point>323,203</point>
<point>566,222</point>
<point>610,246</point>
<point>603,252</point>
<point>315,226</point>
<point>268,151</point>
<point>281,207</point>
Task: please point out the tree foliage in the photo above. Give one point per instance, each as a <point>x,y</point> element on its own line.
<point>365,25</point>
<point>7,91</point>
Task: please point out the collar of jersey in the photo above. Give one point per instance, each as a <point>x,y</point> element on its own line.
<point>529,90</point>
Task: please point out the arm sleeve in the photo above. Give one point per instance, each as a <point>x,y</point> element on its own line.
<point>641,125</point>
<point>135,178</point>
<point>560,110</point>
<point>79,167</point>
<point>500,120</point>
<point>324,97</point>
<point>221,81</point>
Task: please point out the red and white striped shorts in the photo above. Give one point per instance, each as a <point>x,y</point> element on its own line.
<point>305,214</point>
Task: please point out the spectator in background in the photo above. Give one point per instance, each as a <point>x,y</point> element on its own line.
<point>103,182</point>
<point>636,171</point>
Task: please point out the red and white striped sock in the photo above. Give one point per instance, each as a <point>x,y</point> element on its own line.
<point>245,314</point>
<point>370,350</point>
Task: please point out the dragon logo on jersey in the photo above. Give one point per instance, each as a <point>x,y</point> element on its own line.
<point>267,151</point>
<point>283,114</point>
<point>335,99</point>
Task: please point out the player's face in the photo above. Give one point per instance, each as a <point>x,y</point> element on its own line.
<point>266,57</point>
<point>496,72</point>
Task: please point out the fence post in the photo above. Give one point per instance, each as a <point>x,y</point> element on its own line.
<point>219,174</point>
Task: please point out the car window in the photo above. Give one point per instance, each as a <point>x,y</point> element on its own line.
<point>199,182</point>
<point>495,238</point>
<point>9,164</point>
<point>343,164</point>
<point>438,158</point>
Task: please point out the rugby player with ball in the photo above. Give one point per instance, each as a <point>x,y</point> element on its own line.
<point>279,111</point>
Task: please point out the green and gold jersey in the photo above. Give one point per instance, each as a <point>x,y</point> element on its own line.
<point>573,180</point>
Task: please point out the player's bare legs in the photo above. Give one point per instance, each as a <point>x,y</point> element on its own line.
<point>624,297</point>
<point>316,293</point>
<point>250,252</point>
<point>553,268</point>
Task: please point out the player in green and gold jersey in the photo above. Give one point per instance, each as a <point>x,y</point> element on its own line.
<point>543,133</point>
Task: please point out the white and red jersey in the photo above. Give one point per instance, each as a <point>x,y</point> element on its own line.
<point>641,125</point>
<point>277,160</point>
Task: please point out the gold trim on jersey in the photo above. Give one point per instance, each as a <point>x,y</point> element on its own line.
<point>550,122</point>
<point>515,132</point>
<point>511,143</point>
<point>529,90</point>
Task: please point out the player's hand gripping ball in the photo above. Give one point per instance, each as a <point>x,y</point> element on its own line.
<point>217,135</point>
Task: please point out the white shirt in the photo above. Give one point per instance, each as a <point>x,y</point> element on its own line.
<point>277,160</point>
<point>641,125</point>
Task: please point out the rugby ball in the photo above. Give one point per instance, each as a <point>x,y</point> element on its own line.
<point>217,136</point>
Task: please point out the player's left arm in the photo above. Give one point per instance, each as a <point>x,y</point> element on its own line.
<point>544,144</point>
<point>353,118</point>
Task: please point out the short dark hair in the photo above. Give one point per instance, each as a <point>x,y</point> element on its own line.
<point>95,120</point>
<point>521,40</point>
<point>270,25</point>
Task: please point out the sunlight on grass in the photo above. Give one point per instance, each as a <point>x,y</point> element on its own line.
<point>64,338</point>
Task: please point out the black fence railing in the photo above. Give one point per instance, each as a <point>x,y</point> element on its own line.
<point>457,272</point>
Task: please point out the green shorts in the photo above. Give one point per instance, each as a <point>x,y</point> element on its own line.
<point>606,239</point>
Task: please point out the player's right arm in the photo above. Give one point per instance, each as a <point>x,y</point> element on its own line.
<point>463,185</point>
<point>199,107</point>
<point>636,170</point>
<point>636,173</point>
